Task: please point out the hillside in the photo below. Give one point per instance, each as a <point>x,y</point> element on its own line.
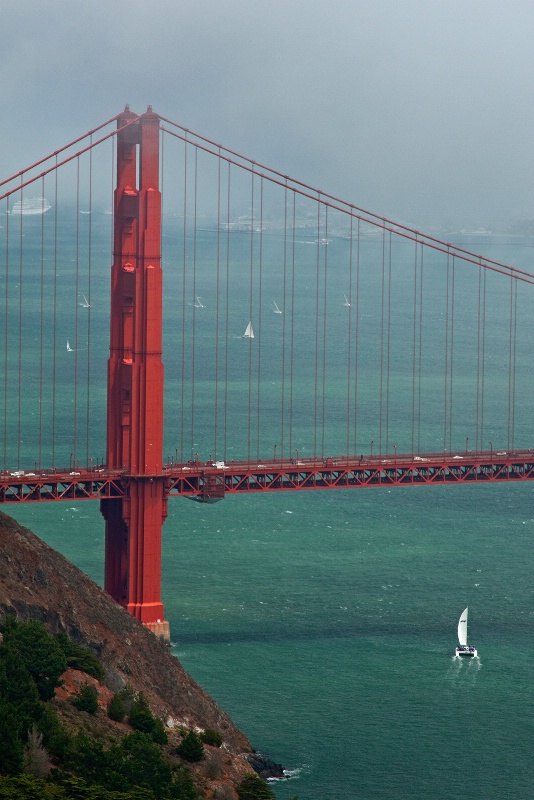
<point>37,583</point>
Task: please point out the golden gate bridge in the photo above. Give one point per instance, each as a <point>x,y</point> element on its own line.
<point>310,344</point>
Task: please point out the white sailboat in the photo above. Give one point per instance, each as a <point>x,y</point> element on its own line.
<point>86,303</point>
<point>69,348</point>
<point>346,303</point>
<point>276,310</point>
<point>249,333</point>
<point>464,650</point>
<point>197,303</point>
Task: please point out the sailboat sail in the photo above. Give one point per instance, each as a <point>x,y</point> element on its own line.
<point>462,628</point>
<point>249,333</point>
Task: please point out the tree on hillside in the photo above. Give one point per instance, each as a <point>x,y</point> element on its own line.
<point>11,746</point>
<point>87,699</point>
<point>144,763</point>
<point>252,787</point>
<point>116,708</point>
<point>191,747</point>
<point>39,652</point>
<point>142,719</point>
<point>81,658</point>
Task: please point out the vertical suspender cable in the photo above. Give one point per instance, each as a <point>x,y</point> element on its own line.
<point>451,359</point>
<point>41,333</point>
<point>292,321</point>
<point>483,359</point>
<point>514,351</point>
<point>19,391</point>
<point>184,273</point>
<point>260,304</point>
<point>217,293</point>
<point>420,370</point>
<point>446,364</point>
<point>414,344</point>
<point>316,387</point>
<point>6,333</point>
<point>282,405</point>
<point>76,316</point>
<point>323,400</point>
<point>226,354</point>
<point>382,314</point>
<point>89,297</point>
<point>356,338</point>
<point>511,361</point>
<point>193,321</point>
<point>388,343</point>
<point>478,444</point>
<point>54,327</point>
<point>251,270</point>
<point>349,343</point>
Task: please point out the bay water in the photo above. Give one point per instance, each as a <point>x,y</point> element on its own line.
<point>325,622</point>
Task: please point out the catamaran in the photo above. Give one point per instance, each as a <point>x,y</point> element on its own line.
<point>464,650</point>
<point>249,333</point>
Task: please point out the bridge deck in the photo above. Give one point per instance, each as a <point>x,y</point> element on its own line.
<point>209,482</point>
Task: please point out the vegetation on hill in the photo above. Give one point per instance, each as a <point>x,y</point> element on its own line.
<point>44,756</point>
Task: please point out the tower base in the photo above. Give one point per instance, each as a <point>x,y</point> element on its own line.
<point>161,629</point>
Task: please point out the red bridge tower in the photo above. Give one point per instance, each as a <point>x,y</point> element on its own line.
<point>135,377</point>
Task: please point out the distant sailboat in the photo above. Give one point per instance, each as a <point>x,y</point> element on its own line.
<point>86,303</point>
<point>69,348</point>
<point>249,333</point>
<point>346,303</point>
<point>276,310</point>
<point>464,650</point>
<point>197,303</point>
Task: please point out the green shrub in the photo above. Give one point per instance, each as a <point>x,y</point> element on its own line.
<point>159,734</point>
<point>81,658</point>
<point>39,652</point>
<point>116,708</point>
<point>144,764</point>
<point>142,719</point>
<point>140,716</point>
<point>212,737</point>
<point>191,747</point>
<point>252,787</point>
<point>56,738</point>
<point>17,687</point>
<point>11,747</point>
<point>87,699</point>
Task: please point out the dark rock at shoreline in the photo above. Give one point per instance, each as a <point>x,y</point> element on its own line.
<point>264,766</point>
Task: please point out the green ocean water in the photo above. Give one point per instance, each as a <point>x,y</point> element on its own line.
<point>324,622</point>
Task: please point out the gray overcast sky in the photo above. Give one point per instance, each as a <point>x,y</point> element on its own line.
<point>415,109</point>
